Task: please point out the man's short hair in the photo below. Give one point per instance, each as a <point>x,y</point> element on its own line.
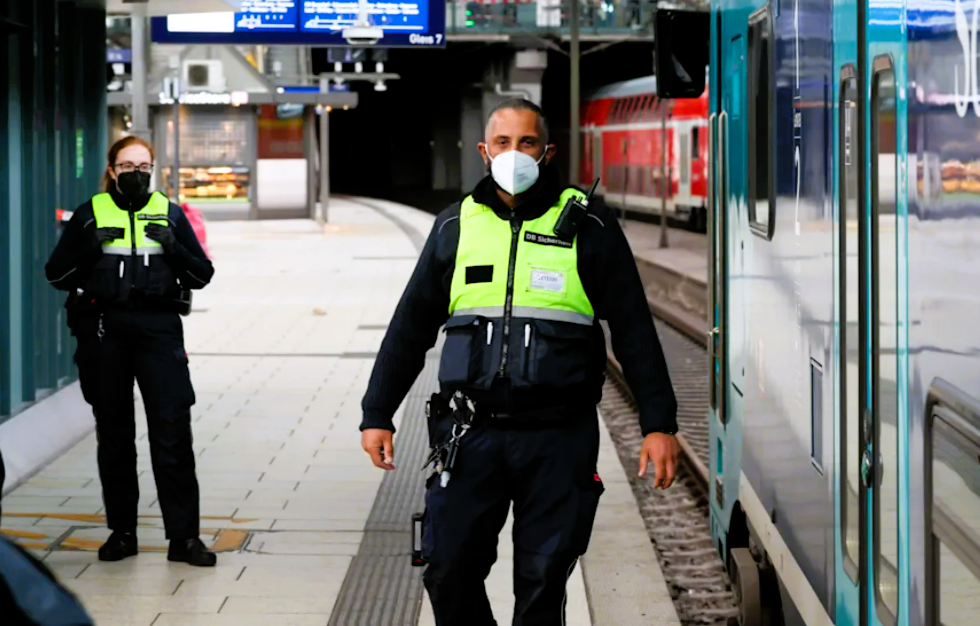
<point>520,104</point>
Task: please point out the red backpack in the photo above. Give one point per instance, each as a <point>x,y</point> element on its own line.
<point>196,218</point>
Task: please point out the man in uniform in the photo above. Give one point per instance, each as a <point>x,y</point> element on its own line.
<point>521,308</point>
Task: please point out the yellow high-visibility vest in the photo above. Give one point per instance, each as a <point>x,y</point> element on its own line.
<point>517,305</point>
<point>108,215</point>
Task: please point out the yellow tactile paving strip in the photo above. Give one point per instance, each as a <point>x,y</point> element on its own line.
<point>224,539</point>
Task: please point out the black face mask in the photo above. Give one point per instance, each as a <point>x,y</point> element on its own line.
<point>134,185</point>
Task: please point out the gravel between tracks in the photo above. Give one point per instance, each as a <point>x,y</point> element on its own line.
<point>677,519</point>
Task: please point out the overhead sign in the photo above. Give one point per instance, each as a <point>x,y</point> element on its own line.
<point>405,23</point>
<point>235,98</point>
<point>342,88</point>
<point>119,55</point>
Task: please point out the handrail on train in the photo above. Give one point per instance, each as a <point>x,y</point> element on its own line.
<point>952,416</point>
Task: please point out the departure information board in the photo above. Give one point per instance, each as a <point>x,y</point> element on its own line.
<point>331,15</point>
<point>409,23</point>
<point>267,15</point>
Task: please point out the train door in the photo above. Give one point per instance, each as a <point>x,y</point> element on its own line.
<point>880,351</point>
<point>848,489</point>
<point>870,296</point>
<point>728,184</point>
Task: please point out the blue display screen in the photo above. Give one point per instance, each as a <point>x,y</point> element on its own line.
<point>266,15</point>
<point>411,23</point>
<point>390,16</point>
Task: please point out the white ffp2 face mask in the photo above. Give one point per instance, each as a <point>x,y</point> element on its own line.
<point>514,171</point>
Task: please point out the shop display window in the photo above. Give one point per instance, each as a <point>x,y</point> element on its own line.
<point>210,183</point>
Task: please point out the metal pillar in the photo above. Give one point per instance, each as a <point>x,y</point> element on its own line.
<point>324,154</point>
<point>664,183</point>
<point>141,109</point>
<point>575,138</point>
<point>176,163</point>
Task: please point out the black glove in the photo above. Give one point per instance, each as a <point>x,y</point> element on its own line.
<point>162,234</point>
<point>103,235</point>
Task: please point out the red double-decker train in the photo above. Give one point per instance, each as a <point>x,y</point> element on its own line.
<point>622,144</point>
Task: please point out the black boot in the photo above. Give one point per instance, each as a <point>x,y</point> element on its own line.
<point>191,551</point>
<point>118,546</point>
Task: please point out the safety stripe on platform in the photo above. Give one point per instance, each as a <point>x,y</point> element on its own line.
<point>381,587</point>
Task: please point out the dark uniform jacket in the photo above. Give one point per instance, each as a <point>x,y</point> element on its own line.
<point>610,279</point>
<point>76,255</point>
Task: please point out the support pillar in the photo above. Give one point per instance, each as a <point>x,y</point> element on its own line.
<point>574,138</point>
<point>141,108</point>
<point>324,154</point>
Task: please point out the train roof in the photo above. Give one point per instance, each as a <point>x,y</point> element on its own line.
<point>627,88</point>
<point>634,87</point>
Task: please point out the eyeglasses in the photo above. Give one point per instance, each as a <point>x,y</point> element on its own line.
<point>146,168</point>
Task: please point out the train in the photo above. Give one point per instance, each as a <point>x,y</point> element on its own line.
<point>621,127</point>
<point>620,130</point>
<point>843,228</point>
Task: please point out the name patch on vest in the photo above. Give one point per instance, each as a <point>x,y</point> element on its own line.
<point>546,240</point>
<point>148,217</point>
<point>479,274</point>
<point>548,280</point>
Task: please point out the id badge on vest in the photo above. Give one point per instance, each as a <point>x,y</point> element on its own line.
<point>547,280</point>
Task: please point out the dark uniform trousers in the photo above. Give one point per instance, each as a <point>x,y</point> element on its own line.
<point>549,473</point>
<point>147,347</point>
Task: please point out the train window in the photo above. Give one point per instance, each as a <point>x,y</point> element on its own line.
<point>650,108</point>
<point>685,163</point>
<point>645,107</point>
<point>953,486</point>
<point>850,409</point>
<point>695,147</point>
<point>884,366</point>
<point>638,110</point>
<point>762,202</point>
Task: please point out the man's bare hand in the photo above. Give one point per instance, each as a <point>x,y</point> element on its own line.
<point>663,451</point>
<point>377,443</point>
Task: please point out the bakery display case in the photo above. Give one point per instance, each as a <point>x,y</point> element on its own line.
<point>210,183</point>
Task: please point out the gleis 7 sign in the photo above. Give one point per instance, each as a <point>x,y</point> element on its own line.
<point>405,23</point>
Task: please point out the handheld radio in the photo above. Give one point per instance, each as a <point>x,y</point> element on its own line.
<point>184,300</point>
<point>572,215</point>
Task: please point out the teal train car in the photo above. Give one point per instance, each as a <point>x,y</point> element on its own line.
<point>844,281</point>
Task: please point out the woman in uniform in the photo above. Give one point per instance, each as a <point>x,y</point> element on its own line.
<point>127,258</point>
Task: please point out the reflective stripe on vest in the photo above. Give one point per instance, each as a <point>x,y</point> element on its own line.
<point>108,215</point>
<point>546,281</point>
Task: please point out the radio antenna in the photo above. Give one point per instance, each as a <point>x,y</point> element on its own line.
<point>595,184</point>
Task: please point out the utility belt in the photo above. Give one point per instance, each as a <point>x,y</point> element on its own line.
<point>528,419</point>
<point>439,409</point>
<point>79,304</point>
<point>154,304</point>
<point>447,425</point>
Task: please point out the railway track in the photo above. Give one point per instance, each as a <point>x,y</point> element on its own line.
<point>677,520</point>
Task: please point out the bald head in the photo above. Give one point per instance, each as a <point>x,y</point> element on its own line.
<point>517,108</point>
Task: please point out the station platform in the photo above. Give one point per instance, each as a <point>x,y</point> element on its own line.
<point>675,277</point>
<point>308,532</point>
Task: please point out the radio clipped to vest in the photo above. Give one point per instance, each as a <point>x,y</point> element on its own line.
<point>572,215</point>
